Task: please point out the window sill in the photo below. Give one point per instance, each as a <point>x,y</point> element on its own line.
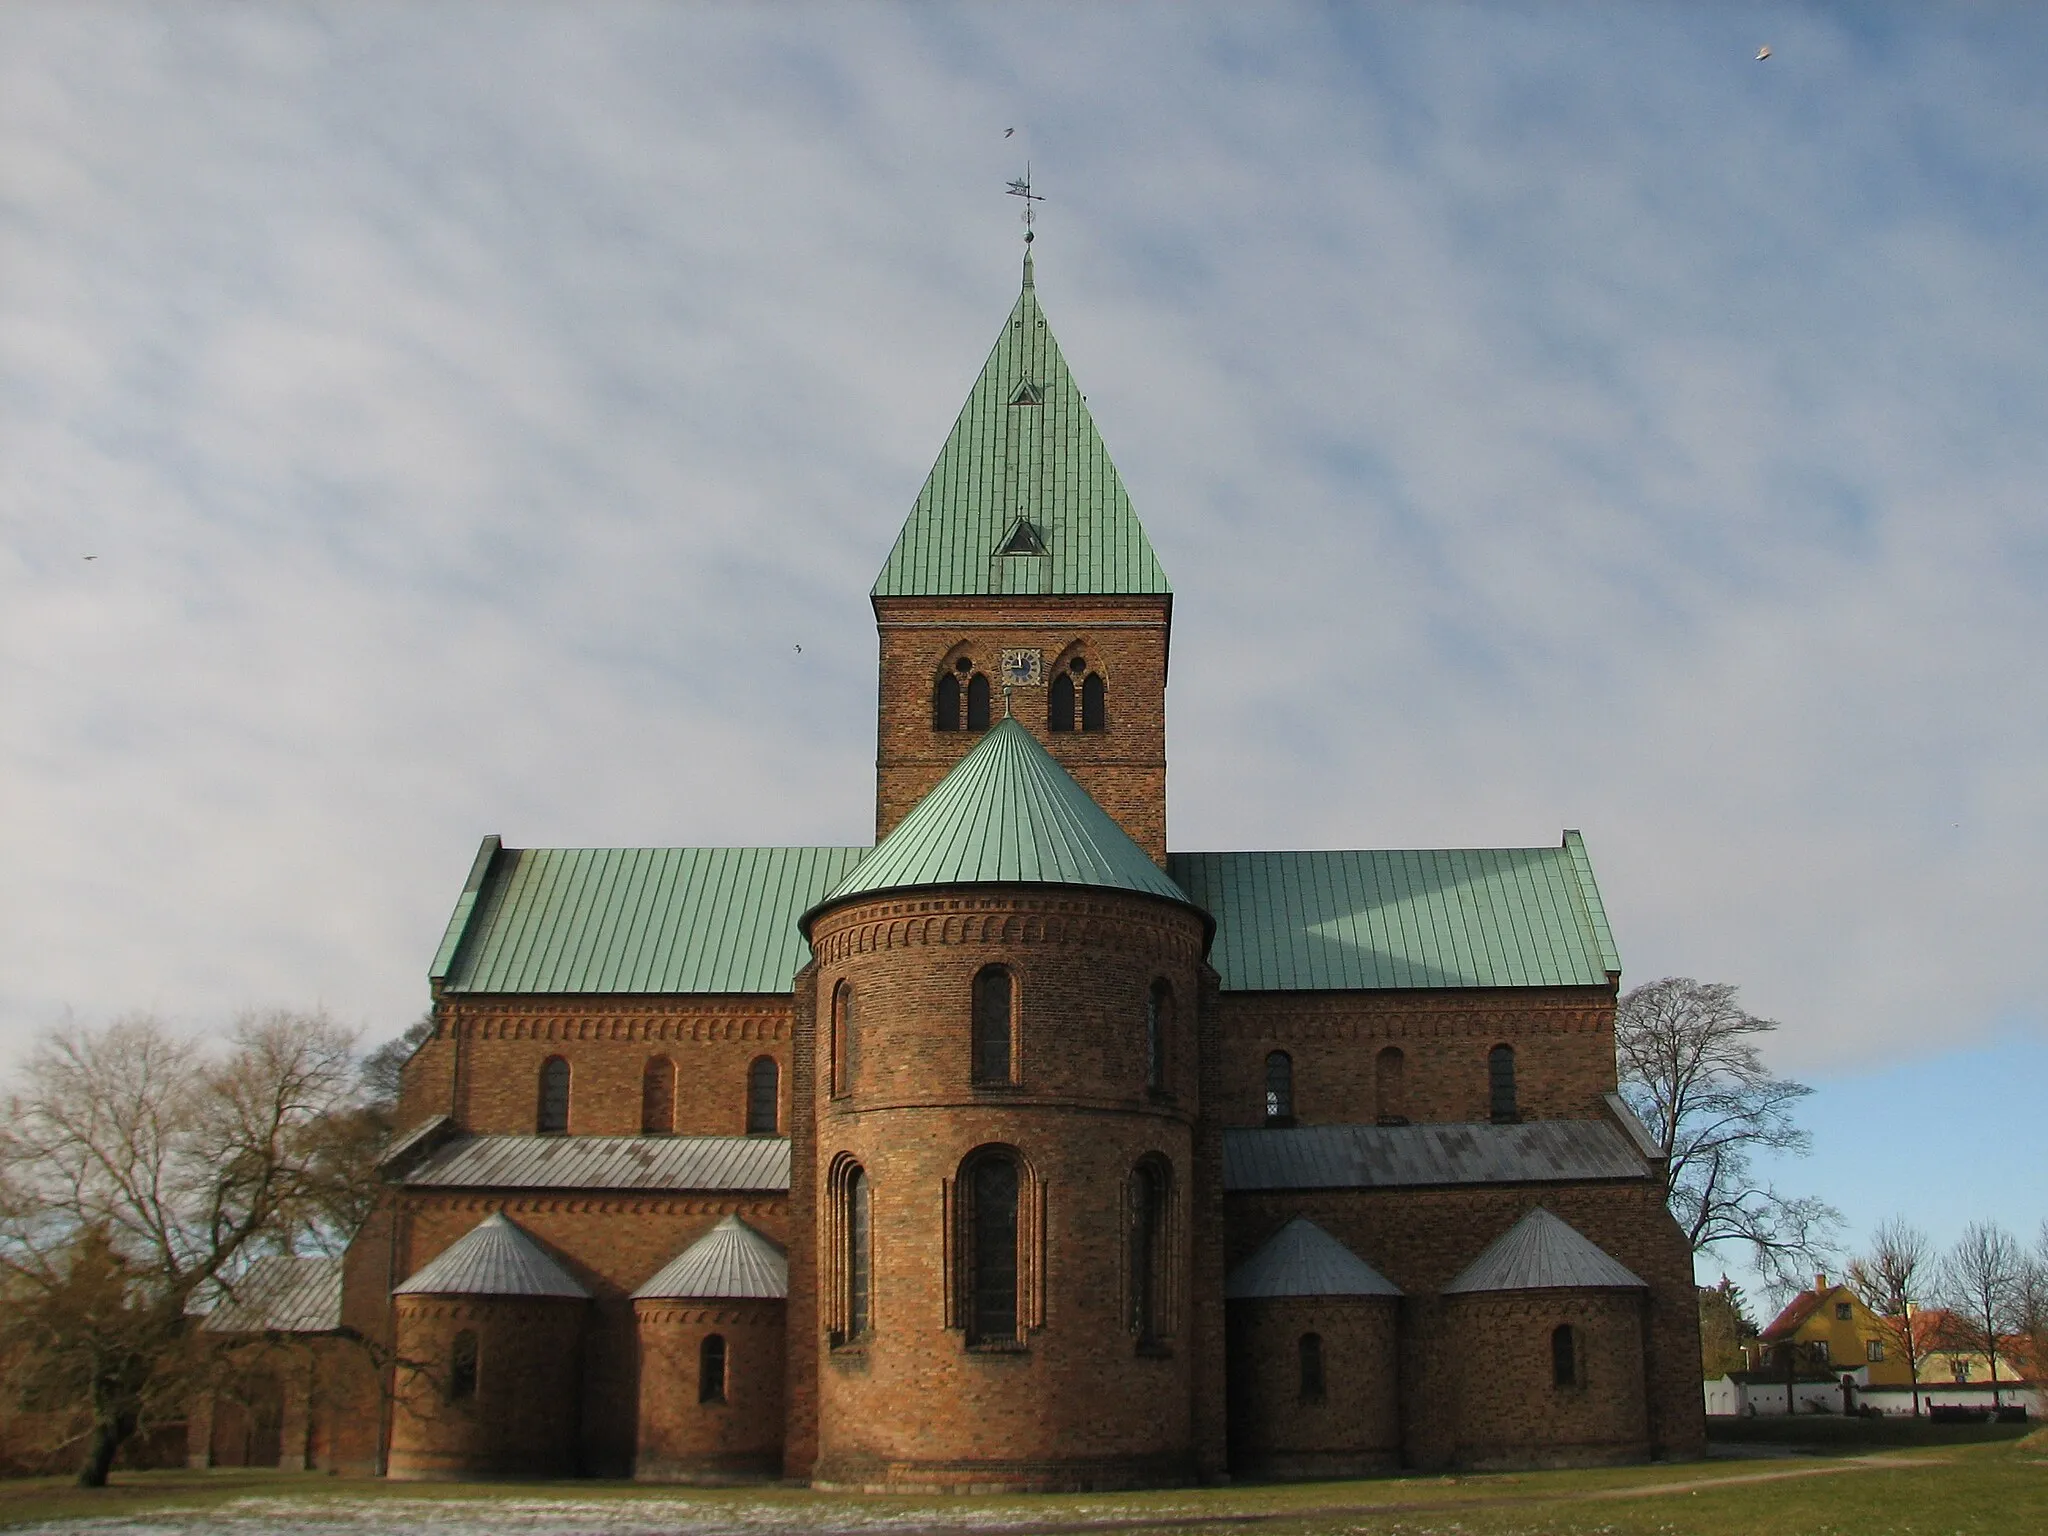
<point>1154,1349</point>
<point>997,1087</point>
<point>1279,1122</point>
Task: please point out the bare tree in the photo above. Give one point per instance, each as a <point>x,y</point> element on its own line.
<point>1982,1285</point>
<point>382,1067</point>
<point>2033,1309</point>
<point>1691,1069</point>
<point>1893,1279</point>
<point>140,1171</point>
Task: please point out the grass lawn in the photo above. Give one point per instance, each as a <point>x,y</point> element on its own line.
<point>1998,1485</point>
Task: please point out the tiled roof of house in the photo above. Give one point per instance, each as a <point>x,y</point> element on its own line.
<point>1301,1259</point>
<point>495,1258</point>
<point>730,1262</point>
<point>1541,1253</point>
<point>1023,471</point>
<point>1385,1156</point>
<point>281,1293</point>
<point>1008,814</point>
<point>674,1163</point>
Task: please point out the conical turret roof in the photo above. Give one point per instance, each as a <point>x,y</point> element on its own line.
<point>495,1258</point>
<point>1542,1252</point>
<point>1301,1259</point>
<point>730,1261</point>
<point>1023,471</point>
<point>1008,814</point>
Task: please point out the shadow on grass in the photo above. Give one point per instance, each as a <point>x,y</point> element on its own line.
<point>1825,1434</point>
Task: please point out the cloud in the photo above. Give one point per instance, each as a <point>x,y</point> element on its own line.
<point>1545,419</point>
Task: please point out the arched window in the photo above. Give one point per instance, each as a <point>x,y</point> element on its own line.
<point>1500,1082</point>
<point>1311,1352</point>
<point>658,1098</point>
<point>991,1190</point>
<point>1094,704</point>
<point>977,702</point>
<point>1149,1210</point>
<point>853,1265</point>
<point>1158,1027</point>
<point>711,1369</point>
<point>553,1116</point>
<point>1279,1088</point>
<point>946,704</point>
<point>1564,1356</point>
<point>462,1366</point>
<point>994,1026</point>
<point>842,1040</point>
<point>764,1083</point>
<point>1391,1085</point>
<point>1059,704</point>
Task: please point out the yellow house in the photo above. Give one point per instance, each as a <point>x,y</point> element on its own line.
<point>1828,1330</point>
<point>1944,1361</point>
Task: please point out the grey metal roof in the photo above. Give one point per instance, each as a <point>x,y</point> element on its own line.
<point>1542,1252</point>
<point>282,1293</point>
<point>410,1144</point>
<point>730,1261</point>
<point>607,1162</point>
<point>1301,1259</point>
<point>1343,920</point>
<point>494,1258</point>
<point>1388,1156</point>
<point>1632,1123</point>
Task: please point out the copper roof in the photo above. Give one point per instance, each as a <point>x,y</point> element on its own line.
<point>1007,814</point>
<point>1542,1253</point>
<point>495,1258</point>
<point>283,1293</point>
<point>731,1261</point>
<point>1023,458</point>
<point>1301,1259</point>
<point>682,1163</point>
<point>1384,1156</point>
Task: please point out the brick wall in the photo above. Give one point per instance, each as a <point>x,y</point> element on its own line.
<point>1563,1039</point>
<point>612,1244</point>
<point>522,1416</point>
<point>1079,1404</point>
<point>1354,1427</point>
<point>1421,1238</point>
<point>502,1043</point>
<point>1124,639</point>
<point>1512,1412</point>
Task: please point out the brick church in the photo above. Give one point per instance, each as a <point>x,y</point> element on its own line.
<point>1020,1150</point>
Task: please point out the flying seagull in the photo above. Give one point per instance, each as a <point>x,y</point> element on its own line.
<point>92,557</point>
<point>1008,131</point>
<point>1763,53</point>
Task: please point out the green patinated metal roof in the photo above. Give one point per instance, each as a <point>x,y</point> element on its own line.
<point>1007,814</point>
<point>1023,468</point>
<point>1339,921</point>
<point>636,919</point>
<point>698,920</point>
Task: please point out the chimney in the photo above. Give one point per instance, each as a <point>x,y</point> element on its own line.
<point>1820,1285</point>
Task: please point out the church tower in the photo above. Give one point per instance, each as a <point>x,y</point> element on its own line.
<point>1023,587</point>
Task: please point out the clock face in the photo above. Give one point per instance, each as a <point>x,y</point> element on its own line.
<point>1021,669</point>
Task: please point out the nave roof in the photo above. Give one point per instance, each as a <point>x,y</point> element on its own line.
<point>698,921</point>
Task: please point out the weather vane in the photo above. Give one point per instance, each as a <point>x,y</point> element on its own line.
<point>1021,187</point>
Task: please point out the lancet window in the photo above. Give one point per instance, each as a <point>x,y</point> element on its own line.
<point>551,1117</point>
<point>1500,1082</point>
<point>764,1086</point>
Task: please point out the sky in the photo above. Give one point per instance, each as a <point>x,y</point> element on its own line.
<point>426,420</point>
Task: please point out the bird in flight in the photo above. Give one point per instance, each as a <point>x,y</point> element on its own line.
<point>1763,53</point>
<point>1008,131</point>
<point>92,557</point>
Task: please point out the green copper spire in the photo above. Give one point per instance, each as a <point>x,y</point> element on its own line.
<point>1008,814</point>
<point>1023,498</point>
